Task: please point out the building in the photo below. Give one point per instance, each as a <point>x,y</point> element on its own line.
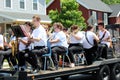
<point>19,11</point>
<point>114,18</point>
<point>95,8</point>
<point>53,5</point>
<point>93,11</point>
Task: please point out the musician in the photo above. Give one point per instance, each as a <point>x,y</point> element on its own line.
<point>105,40</point>
<point>12,57</point>
<point>38,37</point>
<point>25,53</point>
<point>75,43</point>
<point>58,43</point>
<point>5,51</point>
<point>88,44</point>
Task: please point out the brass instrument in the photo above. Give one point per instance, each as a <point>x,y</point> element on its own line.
<point>14,47</point>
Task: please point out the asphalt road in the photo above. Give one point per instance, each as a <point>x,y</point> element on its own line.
<point>80,77</point>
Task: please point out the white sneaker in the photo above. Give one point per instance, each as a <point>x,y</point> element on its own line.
<point>72,65</point>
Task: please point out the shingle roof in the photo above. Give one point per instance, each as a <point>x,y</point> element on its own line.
<point>95,5</point>
<point>116,10</point>
<point>15,16</point>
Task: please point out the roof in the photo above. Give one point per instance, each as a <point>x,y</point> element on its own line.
<point>15,16</point>
<point>95,5</point>
<point>50,3</point>
<point>116,10</point>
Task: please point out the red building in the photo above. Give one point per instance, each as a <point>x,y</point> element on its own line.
<point>53,5</point>
<point>95,8</point>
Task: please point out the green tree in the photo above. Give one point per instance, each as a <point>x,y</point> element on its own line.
<point>47,1</point>
<point>111,1</point>
<point>68,15</point>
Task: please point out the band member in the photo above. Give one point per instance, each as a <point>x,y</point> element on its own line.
<point>25,54</point>
<point>12,47</point>
<point>75,43</point>
<point>58,43</point>
<point>88,44</point>
<point>5,51</point>
<point>105,40</point>
<point>38,38</point>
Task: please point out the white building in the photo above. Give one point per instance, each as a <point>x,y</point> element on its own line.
<point>17,11</point>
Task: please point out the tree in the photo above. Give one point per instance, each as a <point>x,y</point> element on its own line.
<point>68,15</point>
<point>111,1</point>
<point>47,1</point>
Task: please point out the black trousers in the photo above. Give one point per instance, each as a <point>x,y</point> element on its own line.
<point>38,51</point>
<point>90,55</point>
<point>28,56</point>
<point>74,49</point>
<point>102,49</point>
<point>7,54</point>
<point>57,50</point>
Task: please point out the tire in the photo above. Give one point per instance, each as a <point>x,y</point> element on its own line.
<point>104,73</point>
<point>65,77</point>
<point>115,72</point>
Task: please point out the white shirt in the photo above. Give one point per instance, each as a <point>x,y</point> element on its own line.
<point>107,35</point>
<point>40,33</point>
<point>21,45</point>
<point>1,41</point>
<point>62,39</point>
<point>90,36</point>
<point>12,38</point>
<point>74,40</point>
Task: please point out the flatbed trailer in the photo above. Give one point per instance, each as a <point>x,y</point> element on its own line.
<point>108,69</point>
<point>102,69</point>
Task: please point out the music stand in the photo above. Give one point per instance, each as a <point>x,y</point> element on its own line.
<point>17,31</point>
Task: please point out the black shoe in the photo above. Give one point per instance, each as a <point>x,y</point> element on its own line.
<point>36,70</point>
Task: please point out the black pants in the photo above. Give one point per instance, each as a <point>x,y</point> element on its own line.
<point>90,55</point>
<point>27,56</point>
<point>74,49</point>
<point>7,54</point>
<point>102,49</point>
<point>38,51</point>
<point>57,50</point>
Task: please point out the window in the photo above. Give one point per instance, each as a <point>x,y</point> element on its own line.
<point>8,3</point>
<point>22,4</point>
<point>35,4</point>
<point>105,18</point>
<point>94,20</point>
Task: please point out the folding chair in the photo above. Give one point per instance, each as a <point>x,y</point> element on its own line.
<point>48,55</point>
<point>63,58</point>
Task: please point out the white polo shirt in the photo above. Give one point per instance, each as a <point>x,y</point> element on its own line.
<point>40,33</point>
<point>74,40</point>
<point>1,41</point>
<point>107,35</point>
<point>21,45</point>
<point>90,36</point>
<point>62,37</point>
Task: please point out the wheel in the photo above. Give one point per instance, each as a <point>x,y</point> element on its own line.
<point>103,73</point>
<point>115,73</point>
<point>65,77</point>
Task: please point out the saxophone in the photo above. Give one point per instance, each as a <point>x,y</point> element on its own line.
<point>14,47</point>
